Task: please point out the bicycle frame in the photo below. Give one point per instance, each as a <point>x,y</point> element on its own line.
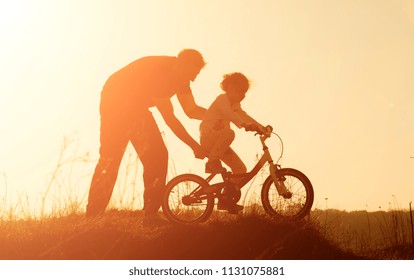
<point>246,177</point>
<point>285,194</point>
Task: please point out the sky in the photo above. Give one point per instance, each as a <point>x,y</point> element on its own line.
<point>334,79</point>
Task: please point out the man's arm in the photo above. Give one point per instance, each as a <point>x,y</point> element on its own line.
<point>190,107</point>
<point>166,109</point>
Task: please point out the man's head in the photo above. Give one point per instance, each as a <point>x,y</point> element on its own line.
<point>190,63</point>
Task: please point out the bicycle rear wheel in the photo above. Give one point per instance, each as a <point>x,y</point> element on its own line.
<point>184,201</point>
<point>294,208</point>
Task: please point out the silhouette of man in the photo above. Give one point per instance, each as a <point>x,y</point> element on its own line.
<point>125,101</point>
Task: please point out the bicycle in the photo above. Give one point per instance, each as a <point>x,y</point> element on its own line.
<point>286,194</point>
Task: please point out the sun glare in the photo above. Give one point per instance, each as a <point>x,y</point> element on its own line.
<point>409,9</point>
<point>12,13</point>
<point>14,27</point>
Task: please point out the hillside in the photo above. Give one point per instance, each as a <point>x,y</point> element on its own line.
<point>120,235</point>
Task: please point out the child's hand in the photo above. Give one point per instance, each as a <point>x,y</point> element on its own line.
<point>269,129</point>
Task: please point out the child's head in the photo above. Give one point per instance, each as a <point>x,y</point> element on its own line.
<point>235,85</point>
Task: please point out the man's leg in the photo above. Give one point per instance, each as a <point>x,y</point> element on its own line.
<point>113,140</point>
<point>148,143</point>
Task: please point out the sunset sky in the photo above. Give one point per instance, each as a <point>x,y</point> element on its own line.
<point>334,78</point>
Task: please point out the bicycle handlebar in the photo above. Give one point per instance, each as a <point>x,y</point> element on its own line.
<point>267,130</point>
<point>265,135</point>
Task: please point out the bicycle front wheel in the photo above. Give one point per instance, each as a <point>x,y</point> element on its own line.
<point>184,201</point>
<point>293,208</point>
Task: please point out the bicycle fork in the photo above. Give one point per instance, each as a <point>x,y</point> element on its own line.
<point>279,182</point>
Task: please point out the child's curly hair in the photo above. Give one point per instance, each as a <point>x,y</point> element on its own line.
<point>235,79</point>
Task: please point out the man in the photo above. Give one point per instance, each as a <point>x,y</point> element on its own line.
<point>125,117</point>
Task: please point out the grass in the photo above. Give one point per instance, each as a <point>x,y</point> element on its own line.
<point>121,235</point>
<point>58,229</point>
<point>375,235</point>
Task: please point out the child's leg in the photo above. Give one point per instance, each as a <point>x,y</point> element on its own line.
<point>237,166</point>
<point>233,161</point>
<point>217,142</point>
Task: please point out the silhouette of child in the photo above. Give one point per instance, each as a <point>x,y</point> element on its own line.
<point>216,135</point>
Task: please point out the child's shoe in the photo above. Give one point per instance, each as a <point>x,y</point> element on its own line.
<point>214,166</point>
<point>232,208</point>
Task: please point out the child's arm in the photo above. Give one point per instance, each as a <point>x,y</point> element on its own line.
<point>247,119</point>
<point>225,111</point>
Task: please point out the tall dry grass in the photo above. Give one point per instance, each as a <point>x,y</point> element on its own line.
<point>379,234</point>
<point>67,186</point>
<point>65,195</point>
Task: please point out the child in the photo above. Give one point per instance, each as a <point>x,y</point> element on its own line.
<point>216,134</point>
